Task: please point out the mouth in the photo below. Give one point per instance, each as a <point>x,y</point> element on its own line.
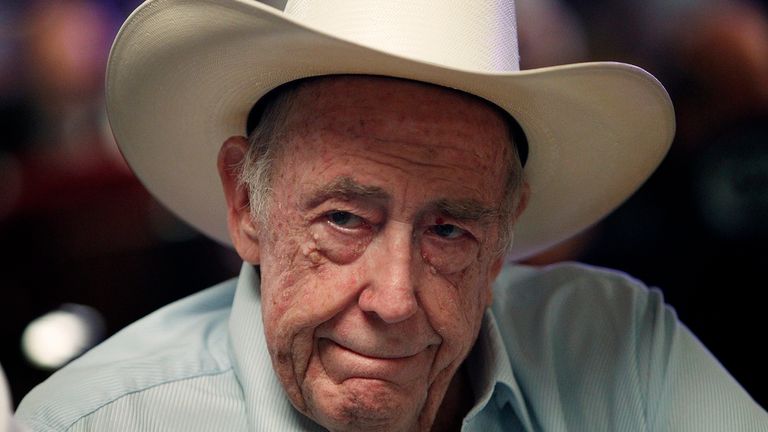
<point>378,354</point>
<point>343,362</point>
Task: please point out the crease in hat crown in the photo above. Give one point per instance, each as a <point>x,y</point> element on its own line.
<point>462,34</point>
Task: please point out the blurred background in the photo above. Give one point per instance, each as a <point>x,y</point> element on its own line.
<point>85,250</point>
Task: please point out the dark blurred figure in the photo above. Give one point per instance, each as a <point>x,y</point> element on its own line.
<point>15,114</point>
<point>79,233</point>
<point>727,90</point>
<point>709,198</point>
<point>549,33</point>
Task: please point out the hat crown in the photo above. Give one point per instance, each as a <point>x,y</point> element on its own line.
<point>464,34</point>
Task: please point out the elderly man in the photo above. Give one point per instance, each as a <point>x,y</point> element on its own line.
<point>392,154</point>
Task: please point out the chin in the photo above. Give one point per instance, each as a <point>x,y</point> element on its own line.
<point>365,405</point>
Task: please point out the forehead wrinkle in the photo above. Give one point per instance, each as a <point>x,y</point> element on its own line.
<point>466,209</point>
<point>459,145</point>
<point>429,162</point>
<point>345,188</point>
<point>454,142</point>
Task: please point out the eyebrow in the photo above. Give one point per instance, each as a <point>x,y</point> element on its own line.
<point>347,189</point>
<point>344,188</point>
<point>468,210</point>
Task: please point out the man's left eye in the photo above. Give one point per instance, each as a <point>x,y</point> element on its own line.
<point>447,231</point>
<point>343,219</point>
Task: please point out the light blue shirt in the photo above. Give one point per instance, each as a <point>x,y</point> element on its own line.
<point>564,348</point>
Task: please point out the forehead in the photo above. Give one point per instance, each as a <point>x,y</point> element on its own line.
<point>356,89</point>
<point>370,96</point>
<point>355,126</point>
<point>399,109</point>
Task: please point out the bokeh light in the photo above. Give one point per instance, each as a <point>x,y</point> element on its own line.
<point>54,339</point>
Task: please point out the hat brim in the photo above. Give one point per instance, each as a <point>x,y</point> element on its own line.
<point>183,75</point>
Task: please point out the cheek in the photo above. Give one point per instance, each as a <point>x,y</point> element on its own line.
<point>303,286</point>
<point>296,299</point>
<point>288,276</point>
<point>456,304</point>
<point>448,257</point>
<point>339,248</point>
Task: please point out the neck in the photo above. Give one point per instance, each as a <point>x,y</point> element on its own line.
<point>456,404</point>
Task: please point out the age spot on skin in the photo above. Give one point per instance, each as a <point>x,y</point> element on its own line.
<point>432,269</point>
<point>359,248</point>
<point>310,251</point>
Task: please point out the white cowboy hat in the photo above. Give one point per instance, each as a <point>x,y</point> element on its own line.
<point>184,74</point>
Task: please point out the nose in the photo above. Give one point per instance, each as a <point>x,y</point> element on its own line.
<point>391,289</point>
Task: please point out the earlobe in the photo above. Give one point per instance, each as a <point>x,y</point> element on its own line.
<point>495,270</point>
<point>522,200</point>
<point>242,229</point>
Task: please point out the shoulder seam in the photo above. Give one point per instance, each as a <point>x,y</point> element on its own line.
<point>113,400</point>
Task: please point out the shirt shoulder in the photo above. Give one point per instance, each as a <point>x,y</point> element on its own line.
<point>580,342</point>
<point>571,279</point>
<point>595,349</point>
<point>575,301</point>
<point>185,340</point>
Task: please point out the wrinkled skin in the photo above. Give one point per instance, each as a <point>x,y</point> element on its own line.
<point>375,276</point>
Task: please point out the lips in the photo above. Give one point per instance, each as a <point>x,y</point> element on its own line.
<point>398,353</point>
<point>342,362</point>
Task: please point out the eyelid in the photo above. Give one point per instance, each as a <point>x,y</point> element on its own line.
<point>468,225</point>
<point>472,229</point>
<point>362,222</point>
<point>462,232</point>
<point>371,214</point>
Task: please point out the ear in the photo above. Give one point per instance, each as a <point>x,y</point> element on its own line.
<point>496,267</point>
<point>498,264</point>
<point>242,229</point>
<point>522,200</point>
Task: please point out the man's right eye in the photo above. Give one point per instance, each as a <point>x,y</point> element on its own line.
<point>347,220</point>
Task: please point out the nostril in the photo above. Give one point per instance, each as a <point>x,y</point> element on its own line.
<point>390,307</point>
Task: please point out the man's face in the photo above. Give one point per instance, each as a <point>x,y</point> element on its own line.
<point>380,248</point>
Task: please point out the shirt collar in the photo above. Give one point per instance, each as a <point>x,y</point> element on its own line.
<point>490,372</point>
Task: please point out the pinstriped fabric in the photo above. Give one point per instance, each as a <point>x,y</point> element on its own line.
<point>692,396</point>
<point>565,348</point>
<point>594,350</point>
<point>210,403</point>
<point>182,341</point>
